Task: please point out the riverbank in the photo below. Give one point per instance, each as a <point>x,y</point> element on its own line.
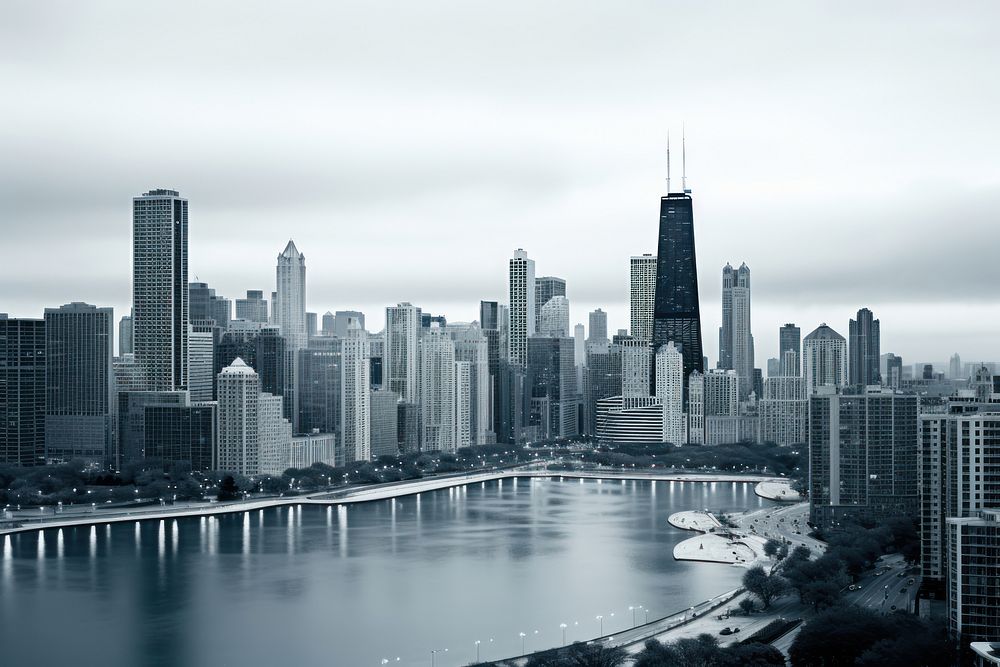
<point>716,544</point>
<point>97,516</point>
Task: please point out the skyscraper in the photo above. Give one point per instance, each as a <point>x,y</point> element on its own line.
<point>546,288</point>
<point>642,290</point>
<point>437,391</point>
<point>204,305</point>
<point>343,319</point>
<point>893,371</point>
<point>676,312</point>
<point>862,455</point>
<point>637,359</point>
<point>472,348</point>
<point>824,357</point>
<point>312,325</point>
<point>551,378</point>
<point>790,338</point>
<point>955,367</point>
<point>328,324</point>
<point>735,339</point>
<point>201,362</point>
<point>670,392</point>
<point>783,408</point>
<point>355,395</point>
<point>79,383</point>
<point>160,288</point>
<point>253,308</point>
<point>522,306</point>
<point>239,437</point>
<point>864,350</point>
<point>290,309</point>
<point>125,337</point>
<point>319,386</point>
<point>401,360</point>
<point>554,317</point>
<point>597,331</point>
<point>22,391</point>
<point>384,424</point>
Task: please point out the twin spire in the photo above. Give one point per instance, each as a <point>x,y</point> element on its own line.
<point>684,187</point>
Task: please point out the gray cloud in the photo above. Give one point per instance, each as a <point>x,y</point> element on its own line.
<point>846,153</point>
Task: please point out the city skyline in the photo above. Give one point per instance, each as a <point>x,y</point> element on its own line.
<point>516,158</point>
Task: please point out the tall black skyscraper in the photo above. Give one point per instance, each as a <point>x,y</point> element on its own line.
<point>864,353</point>
<point>676,314</point>
<point>22,391</point>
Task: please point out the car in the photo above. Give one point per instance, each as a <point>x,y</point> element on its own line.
<point>892,608</point>
<point>910,581</point>
<point>728,631</point>
<point>852,587</point>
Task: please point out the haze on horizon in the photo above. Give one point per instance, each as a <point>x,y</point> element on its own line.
<point>845,151</point>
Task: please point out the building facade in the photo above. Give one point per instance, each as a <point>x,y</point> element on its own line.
<point>642,291</point>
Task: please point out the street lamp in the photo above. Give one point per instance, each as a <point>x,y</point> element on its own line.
<point>522,642</point>
<point>563,627</point>
<point>600,619</point>
<point>434,652</point>
<point>477,649</point>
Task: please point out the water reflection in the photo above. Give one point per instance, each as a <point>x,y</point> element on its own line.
<point>390,578</point>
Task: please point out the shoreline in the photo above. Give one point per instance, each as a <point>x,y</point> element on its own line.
<point>716,543</point>
<point>368,494</point>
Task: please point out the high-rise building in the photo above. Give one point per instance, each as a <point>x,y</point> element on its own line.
<point>489,320</point>
<point>864,350</point>
<point>773,367</point>
<point>401,360</point>
<point>603,379</point>
<point>408,424</point>
<point>253,308</point>
<point>274,435</point>
<point>201,362</point>
<point>790,339</point>
<point>472,347</point>
<point>670,392</point>
<point>181,433</point>
<point>862,455</point>
<point>551,378</point>
<point>735,339</point>
<point>642,290</point>
<point>131,414</point>
<point>265,351</point>
<point>79,383</point>
<point>319,387</point>
<point>712,394</point>
<point>553,319</point>
<point>376,352</point>
<point>463,405</point>
<point>676,312</point>
<point>616,424</point>
<point>239,435</point>
<point>355,382</point>
<point>974,567</point>
<point>597,331</point>
<point>384,425</point>
<point>637,359</point>
<point>22,391</point>
<point>955,367</point>
<point>345,319</point>
<point>893,371</point>
<point>328,324</point>
<point>546,288</point>
<point>783,408</point>
<point>522,306</point>
<point>205,305</point>
<point>125,337</point>
<point>579,355</point>
<point>824,357</point>
<point>437,391</point>
<point>489,315</point>
<point>312,325</point>
<point>290,307</point>
<point>160,288</point>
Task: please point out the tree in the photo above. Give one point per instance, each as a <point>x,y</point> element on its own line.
<point>765,586</point>
<point>748,606</point>
<point>228,489</point>
<point>579,655</point>
<point>753,654</point>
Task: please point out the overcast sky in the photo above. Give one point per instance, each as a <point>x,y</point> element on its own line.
<point>847,152</point>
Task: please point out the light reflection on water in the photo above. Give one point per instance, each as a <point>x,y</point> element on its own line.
<point>391,578</point>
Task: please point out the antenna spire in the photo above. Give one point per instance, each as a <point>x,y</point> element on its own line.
<point>684,176</point>
<point>668,162</point>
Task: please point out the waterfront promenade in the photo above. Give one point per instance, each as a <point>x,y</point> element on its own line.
<point>27,520</point>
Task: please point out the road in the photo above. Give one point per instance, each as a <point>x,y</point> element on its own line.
<point>784,522</point>
<point>883,590</point>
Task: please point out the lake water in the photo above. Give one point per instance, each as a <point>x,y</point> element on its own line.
<point>352,586</point>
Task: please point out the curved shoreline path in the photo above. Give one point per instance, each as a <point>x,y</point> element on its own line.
<point>716,544</point>
<point>357,495</point>
<point>777,489</point>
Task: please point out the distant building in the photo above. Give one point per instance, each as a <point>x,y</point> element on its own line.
<point>472,347</point>
<point>547,288</point>
<point>343,320</point>
<point>201,363</point>
<point>863,368</point>
<point>974,567</point>
<point>522,307</point>
<point>670,393</point>
<point>312,325</point>
<point>597,332</point>
<point>603,379</point>
<point>642,295</point>
<point>22,391</point>
<point>160,288</point>
<point>552,381</point>
<point>125,345</point>
<point>553,319</point>
<point>181,433</point>
<point>290,307</point>
<point>384,426</point>
<point>253,308</point>
<point>735,339</point>
<point>355,408</point>
<point>862,455</point>
<point>437,391</point>
<point>239,436</point>
<point>618,424</point>
<point>637,369</point>
<point>713,394</point>
<point>133,445</point>
<point>783,409</point>
<point>955,368</point>
<point>408,427</point>
<point>319,386</point>
<point>893,372</point>
<point>401,360</point>
<point>274,436</point>
<point>790,339</point>
<point>79,383</point>
<point>824,354</point>
<point>205,305</point>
